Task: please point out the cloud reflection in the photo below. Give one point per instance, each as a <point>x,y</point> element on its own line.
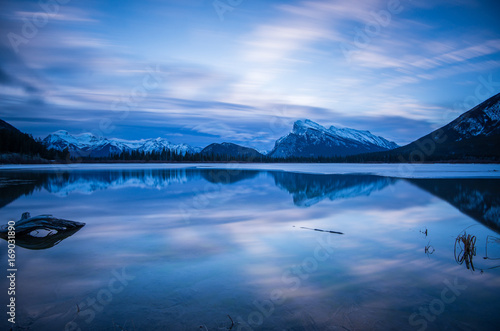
<point>240,247</point>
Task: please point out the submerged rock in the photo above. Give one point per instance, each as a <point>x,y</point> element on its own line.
<point>41,232</point>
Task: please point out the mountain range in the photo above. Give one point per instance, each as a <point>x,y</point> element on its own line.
<point>88,145</point>
<point>307,139</point>
<point>473,135</point>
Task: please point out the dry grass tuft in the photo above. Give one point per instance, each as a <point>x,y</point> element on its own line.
<point>466,250</point>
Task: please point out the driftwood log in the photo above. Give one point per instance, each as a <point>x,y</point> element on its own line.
<point>41,232</point>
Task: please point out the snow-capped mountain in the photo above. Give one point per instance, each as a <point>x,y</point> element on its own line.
<point>364,136</point>
<point>309,139</point>
<point>159,144</point>
<point>86,144</point>
<point>474,134</point>
<point>484,119</point>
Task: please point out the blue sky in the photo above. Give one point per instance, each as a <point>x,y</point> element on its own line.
<point>199,71</point>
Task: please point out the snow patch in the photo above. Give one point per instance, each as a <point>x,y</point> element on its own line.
<point>493,112</point>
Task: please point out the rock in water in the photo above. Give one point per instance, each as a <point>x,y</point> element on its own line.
<point>41,232</point>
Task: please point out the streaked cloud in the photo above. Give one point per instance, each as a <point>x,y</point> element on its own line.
<point>245,79</point>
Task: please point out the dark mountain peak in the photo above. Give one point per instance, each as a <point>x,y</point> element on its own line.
<point>229,145</point>
<point>20,147</point>
<point>483,119</point>
<point>473,135</point>
<point>230,150</point>
<point>6,126</point>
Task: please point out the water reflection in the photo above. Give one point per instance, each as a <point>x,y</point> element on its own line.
<point>309,189</point>
<point>306,189</point>
<point>240,249</point>
<point>223,176</point>
<point>14,184</point>
<point>429,249</point>
<point>477,198</point>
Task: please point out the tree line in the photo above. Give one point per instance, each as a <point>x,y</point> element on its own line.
<point>379,157</point>
<point>14,142</point>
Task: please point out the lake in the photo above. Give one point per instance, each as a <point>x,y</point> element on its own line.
<point>188,247</point>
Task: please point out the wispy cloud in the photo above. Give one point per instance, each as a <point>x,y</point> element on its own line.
<point>67,14</point>
<point>245,79</point>
<point>461,55</point>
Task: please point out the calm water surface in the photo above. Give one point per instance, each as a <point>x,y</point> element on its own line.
<point>182,249</point>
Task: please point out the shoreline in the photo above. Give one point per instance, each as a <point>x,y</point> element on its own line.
<point>396,170</point>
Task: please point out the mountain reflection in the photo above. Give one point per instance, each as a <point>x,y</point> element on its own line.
<point>223,176</point>
<point>16,184</point>
<point>306,189</point>
<point>476,198</point>
<point>309,189</point>
<point>86,182</point>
